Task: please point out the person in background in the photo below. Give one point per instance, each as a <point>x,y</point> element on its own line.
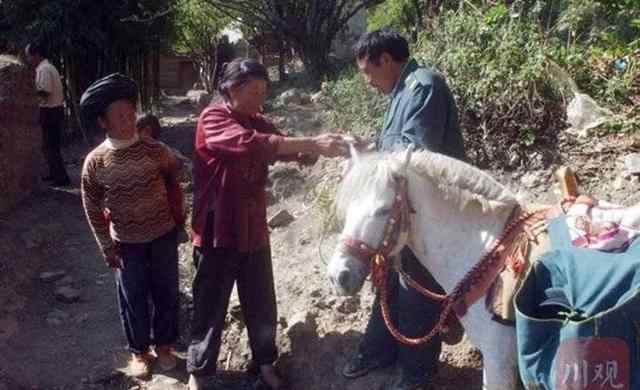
<point>422,112</point>
<point>148,126</point>
<point>126,184</point>
<point>51,99</point>
<point>234,145</point>
<point>224,54</point>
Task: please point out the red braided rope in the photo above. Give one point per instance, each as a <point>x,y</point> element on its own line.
<point>457,296</point>
<point>442,320</point>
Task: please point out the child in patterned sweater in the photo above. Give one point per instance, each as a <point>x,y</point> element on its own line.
<point>133,202</point>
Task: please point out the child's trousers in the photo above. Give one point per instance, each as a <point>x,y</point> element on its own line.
<point>148,292</point>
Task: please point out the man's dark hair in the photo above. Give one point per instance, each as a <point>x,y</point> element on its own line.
<point>151,121</point>
<point>373,44</point>
<point>239,72</point>
<point>37,48</point>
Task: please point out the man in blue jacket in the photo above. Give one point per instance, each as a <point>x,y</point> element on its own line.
<point>422,112</point>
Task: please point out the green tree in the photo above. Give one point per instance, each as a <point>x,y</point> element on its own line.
<point>310,26</point>
<point>197,28</point>
<point>404,15</point>
<point>89,39</point>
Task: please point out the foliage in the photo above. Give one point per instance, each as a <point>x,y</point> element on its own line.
<point>496,64</point>
<point>89,39</point>
<point>404,15</point>
<point>197,27</point>
<point>310,26</point>
<point>503,60</point>
<point>353,106</point>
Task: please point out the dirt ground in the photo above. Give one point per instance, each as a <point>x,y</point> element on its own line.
<point>48,344</point>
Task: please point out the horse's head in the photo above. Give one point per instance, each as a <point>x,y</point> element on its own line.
<point>373,200</point>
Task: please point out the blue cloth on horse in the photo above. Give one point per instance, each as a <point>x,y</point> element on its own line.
<point>578,317</point>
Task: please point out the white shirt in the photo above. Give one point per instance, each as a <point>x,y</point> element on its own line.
<point>48,80</point>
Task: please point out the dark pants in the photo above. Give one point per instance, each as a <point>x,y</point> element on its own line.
<point>413,315</point>
<point>52,122</point>
<point>150,270</point>
<point>217,269</point>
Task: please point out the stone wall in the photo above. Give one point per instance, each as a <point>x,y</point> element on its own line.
<point>20,135</point>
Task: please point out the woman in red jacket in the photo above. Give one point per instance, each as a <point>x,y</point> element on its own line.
<point>234,145</point>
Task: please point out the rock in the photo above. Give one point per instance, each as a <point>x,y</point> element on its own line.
<point>305,99</point>
<point>236,313</point>
<point>66,281</point>
<point>199,98</point>
<point>67,294</point>
<point>349,305</point>
<point>162,382</point>
<point>619,183</point>
<point>290,96</point>
<point>281,218</point>
<point>282,321</point>
<point>632,163</point>
<point>530,180</point>
<point>51,276</point>
<point>302,323</point>
<point>285,180</point>
<point>316,97</point>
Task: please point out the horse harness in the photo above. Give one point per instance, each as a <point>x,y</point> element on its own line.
<point>514,237</point>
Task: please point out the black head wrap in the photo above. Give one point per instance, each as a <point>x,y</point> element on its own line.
<point>102,93</point>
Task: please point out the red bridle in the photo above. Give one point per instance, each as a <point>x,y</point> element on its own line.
<point>397,223</point>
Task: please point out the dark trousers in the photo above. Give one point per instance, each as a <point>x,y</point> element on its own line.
<point>150,270</point>
<point>413,315</point>
<point>52,123</point>
<point>217,269</point>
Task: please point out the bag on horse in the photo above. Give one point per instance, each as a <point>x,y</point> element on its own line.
<point>578,317</point>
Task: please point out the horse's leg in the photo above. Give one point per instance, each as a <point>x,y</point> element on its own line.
<point>499,358</point>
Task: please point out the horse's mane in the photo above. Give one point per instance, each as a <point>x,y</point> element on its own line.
<point>460,183</point>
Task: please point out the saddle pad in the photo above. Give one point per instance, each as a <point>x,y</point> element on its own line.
<point>578,317</point>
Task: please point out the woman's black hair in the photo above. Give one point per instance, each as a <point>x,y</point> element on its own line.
<point>239,72</point>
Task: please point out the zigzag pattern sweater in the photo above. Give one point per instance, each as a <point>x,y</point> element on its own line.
<point>128,192</point>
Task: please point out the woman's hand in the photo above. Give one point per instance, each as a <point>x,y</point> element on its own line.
<point>307,159</point>
<point>331,145</point>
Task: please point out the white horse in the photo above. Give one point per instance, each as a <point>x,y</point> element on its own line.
<point>458,213</point>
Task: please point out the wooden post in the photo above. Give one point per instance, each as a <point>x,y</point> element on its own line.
<point>568,184</point>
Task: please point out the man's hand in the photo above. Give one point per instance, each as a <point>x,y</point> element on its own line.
<point>331,145</point>
<point>362,144</point>
<point>112,257</point>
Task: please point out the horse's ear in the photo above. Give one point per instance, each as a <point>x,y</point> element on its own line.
<point>407,157</point>
<point>349,163</point>
<point>355,156</point>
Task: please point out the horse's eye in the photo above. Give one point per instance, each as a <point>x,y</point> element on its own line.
<point>381,212</point>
